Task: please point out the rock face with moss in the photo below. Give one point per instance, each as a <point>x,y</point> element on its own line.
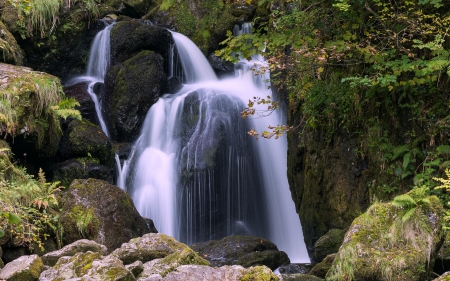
<point>383,244</point>
<point>328,244</point>
<point>10,50</point>
<point>27,116</point>
<point>102,212</point>
<point>24,268</point>
<point>328,181</point>
<point>242,250</point>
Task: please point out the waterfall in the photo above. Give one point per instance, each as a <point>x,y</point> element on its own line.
<point>197,174</point>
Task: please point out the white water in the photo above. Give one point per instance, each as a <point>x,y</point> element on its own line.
<point>172,183</point>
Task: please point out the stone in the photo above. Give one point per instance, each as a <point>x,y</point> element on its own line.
<point>82,168</point>
<point>328,244</point>
<point>79,246</point>
<point>136,267</point>
<point>79,92</point>
<point>300,277</point>
<point>379,245</point>
<point>25,268</point>
<point>241,250</point>
<point>83,139</point>
<point>97,210</point>
<point>11,51</point>
<point>321,268</point>
<point>143,75</point>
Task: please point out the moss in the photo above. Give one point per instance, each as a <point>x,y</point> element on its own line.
<point>259,273</point>
<point>82,262</point>
<point>380,246</point>
<point>82,221</point>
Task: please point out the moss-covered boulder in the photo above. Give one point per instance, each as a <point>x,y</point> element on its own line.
<point>204,22</point>
<point>129,94</point>
<point>27,112</point>
<point>79,246</point>
<point>300,277</point>
<point>83,168</point>
<point>129,38</point>
<point>97,210</point>
<point>241,250</point>
<point>328,244</point>
<point>443,258</point>
<point>24,268</point>
<point>10,51</point>
<point>149,247</point>
<point>380,245</point>
<point>320,269</point>
<point>82,139</point>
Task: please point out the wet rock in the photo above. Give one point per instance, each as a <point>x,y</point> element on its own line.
<point>24,268</point>
<point>241,250</point>
<point>87,106</point>
<point>84,139</point>
<point>294,268</point>
<point>328,244</point>
<point>129,38</point>
<point>143,76</point>
<point>379,245</point>
<point>79,246</point>
<point>243,11</point>
<point>221,67</point>
<point>173,85</point>
<point>128,10</point>
<point>97,210</point>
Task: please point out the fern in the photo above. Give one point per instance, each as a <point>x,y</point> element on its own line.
<point>403,201</point>
<point>65,109</point>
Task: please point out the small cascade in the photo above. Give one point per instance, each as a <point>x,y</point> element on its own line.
<point>196,173</point>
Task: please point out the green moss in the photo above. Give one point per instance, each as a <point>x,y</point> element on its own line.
<point>82,221</point>
<point>259,273</point>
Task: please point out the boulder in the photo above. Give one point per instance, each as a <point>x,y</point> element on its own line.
<point>102,212</point>
<point>11,51</point>
<point>131,89</point>
<point>149,247</point>
<point>83,168</point>
<point>384,244</point>
<point>321,268</point>
<point>89,266</point>
<point>82,139</point>
<point>221,67</point>
<point>79,91</point>
<point>24,268</point>
<point>241,250</point>
<point>228,273</point>
<point>79,246</point>
<point>129,38</point>
<point>328,244</point>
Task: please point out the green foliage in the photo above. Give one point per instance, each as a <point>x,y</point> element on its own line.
<point>28,207</point>
<point>65,109</point>
<point>411,201</point>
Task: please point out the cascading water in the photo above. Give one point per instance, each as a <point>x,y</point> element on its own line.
<point>197,174</point>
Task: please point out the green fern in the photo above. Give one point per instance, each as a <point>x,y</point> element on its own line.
<point>65,109</point>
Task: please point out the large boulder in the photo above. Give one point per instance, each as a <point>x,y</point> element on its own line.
<point>328,244</point>
<point>386,244</point>
<point>11,51</point>
<point>241,250</point>
<point>84,139</point>
<point>129,38</point>
<point>83,168</point>
<point>320,269</point>
<point>102,212</point>
<point>131,89</point>
<point>79,246</point>
<point>24,268</point>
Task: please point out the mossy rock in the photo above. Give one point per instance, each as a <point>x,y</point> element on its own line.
<point>25,268</point>
<point>82,168</point>
<point>82,139</point>
<point>381,246</point>
<point>321,268</point>
<point>328,244</point>
<point>204,22</point>
<point>300,277</point>
<point>27,110</point>
<point>97,210</point>
<point>10,51</point>
<point>143,76</point>
<point>247,251</point>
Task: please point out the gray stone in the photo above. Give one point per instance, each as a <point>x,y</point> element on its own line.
<point>24,268</point>
<point>82,245</point>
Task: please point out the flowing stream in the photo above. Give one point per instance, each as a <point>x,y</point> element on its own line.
<point>193,170</point>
